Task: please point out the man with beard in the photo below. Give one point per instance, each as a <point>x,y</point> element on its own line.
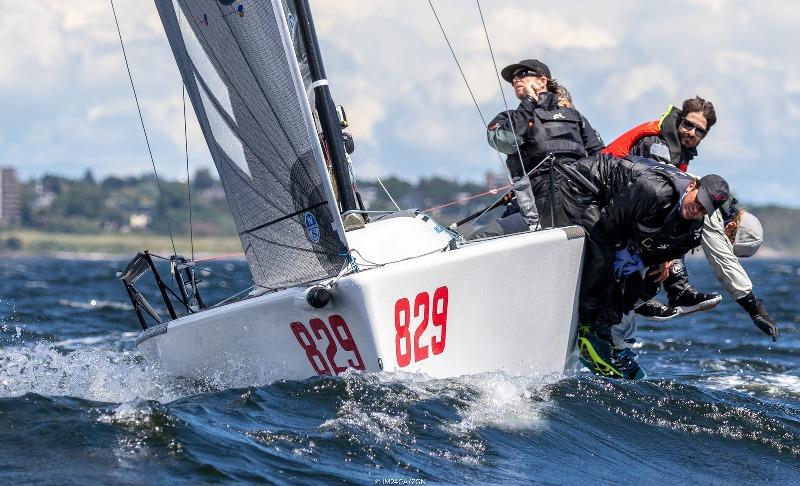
<point>673,139</point>
<point>641,214</point>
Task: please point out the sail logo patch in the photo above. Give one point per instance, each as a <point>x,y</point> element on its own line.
<point>312,227</point>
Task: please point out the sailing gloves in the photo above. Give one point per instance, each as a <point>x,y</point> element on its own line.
<point>626,263</point>
<point>759,315</point>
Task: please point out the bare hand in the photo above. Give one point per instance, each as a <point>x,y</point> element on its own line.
<point>660,272</point>
<point>528,90</point>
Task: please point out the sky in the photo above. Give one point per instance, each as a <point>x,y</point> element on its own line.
<point>67,104</point>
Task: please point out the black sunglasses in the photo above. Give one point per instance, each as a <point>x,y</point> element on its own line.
<point>522,73</point>
<point>689,126</point>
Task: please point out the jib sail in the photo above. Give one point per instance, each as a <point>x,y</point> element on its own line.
<point>246,73</point>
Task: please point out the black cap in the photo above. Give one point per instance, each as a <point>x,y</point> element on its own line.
<point>713,192</point>
<point>534,65</point>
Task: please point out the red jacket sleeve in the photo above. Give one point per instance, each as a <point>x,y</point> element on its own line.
<point>622,145</point>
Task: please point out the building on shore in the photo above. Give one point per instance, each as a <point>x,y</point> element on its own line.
<point>496,180</point>
<point>10,197</point>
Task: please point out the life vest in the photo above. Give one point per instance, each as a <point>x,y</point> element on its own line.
<point>554,130</point>
<point>621,147</point>
<point>666,129</point>
<point>665,242</point>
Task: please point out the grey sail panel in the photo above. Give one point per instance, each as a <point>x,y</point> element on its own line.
<point>240,65</point>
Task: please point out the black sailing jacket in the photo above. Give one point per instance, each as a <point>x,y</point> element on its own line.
<point>541,127</point>
<point>638,201</point>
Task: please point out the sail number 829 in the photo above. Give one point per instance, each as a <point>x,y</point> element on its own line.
<point>425,311</point>
<point>339,330</point>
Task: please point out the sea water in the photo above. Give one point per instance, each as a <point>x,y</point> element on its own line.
<point>78,404</point>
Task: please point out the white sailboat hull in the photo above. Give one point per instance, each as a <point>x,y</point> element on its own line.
<point>505,304</point>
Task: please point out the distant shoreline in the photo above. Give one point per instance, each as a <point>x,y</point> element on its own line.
<point>32,243</point>
<point>117,246</point>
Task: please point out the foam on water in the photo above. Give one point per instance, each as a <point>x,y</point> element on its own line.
<point>778,385</point>
<point>114,339</point>
<point>504,402</point>
<point>390,410</point>
<point>90,373</point>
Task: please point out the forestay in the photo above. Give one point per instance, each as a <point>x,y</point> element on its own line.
<point>245,70</point>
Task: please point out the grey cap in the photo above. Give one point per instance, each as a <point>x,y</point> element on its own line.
<point>749,236</point>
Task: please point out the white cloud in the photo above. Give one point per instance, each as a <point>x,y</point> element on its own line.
<point>714,5</point>
<point>632,85</point>
<point>740,62</point>
<point>67,99</point>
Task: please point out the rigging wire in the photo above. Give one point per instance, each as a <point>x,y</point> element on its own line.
<point>502,93</point>
<point>464,77</point>
<point>144,130</point>
<point>186,152</point>
<point>374,173</point>
<point>188,178</point>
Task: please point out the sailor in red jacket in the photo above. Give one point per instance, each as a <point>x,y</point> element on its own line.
<point>673,140</point>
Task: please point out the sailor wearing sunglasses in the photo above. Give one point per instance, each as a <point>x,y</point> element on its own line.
<point>673,140</point>
<point>536,135</point>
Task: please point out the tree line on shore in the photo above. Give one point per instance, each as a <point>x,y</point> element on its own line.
<point>137,204</point>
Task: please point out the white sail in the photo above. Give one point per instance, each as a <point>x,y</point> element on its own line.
<point>245,71</point>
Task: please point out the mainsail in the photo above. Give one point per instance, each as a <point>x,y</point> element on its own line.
<point>245,71</point>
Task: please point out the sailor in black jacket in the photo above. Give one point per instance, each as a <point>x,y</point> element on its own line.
<point>672,140</point>
<point>643,215</point>
<point>536,128</point>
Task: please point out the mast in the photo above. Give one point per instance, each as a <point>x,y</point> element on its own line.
<point>326,108</point>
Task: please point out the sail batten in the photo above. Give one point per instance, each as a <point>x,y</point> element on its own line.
<point>242,70</point>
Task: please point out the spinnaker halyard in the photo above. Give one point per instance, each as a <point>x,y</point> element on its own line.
<point>246,73</point>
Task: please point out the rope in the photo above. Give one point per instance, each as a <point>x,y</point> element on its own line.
<point>144,130</point>
<point>219,257</point>
<point>237,294</point>
<point>463,200</point>
<point>527,174</point>
<point>464,77</point>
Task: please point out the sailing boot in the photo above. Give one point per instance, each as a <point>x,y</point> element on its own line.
<point>656,311</point>
<point>690,300</point>
<point>625,361</point>
<point>601,357</point>
<point>596,353</point>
